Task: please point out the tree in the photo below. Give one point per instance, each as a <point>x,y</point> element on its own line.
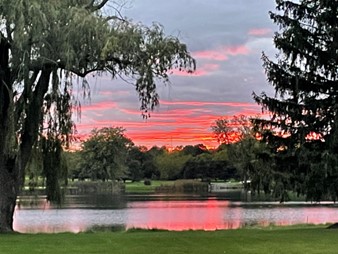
<point>304,117</point>
<point>135,162</point>
<point>252,159</point>
<point>229,130</point>
<point>104,154</point>
<point>194,150</point>
<point>206,167</point>
<point>45,48</point>
<point>150,168</point>
<point>171,164</point>
<point>73,159</point>
<point>253,162</point>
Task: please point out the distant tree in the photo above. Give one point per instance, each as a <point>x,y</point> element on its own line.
<point>134,171</point>
<point>135,161</point>
<point>221,153</point>
<point>194,150</point>
<point>73,159</point>
<point>303,128</point>
<point>104,154</point>
<point>171,164</point>
<point>229,130</point>
<point>150,167</point>
<point>206,167</point>
<point>254,163</point>
<point>46,47</point>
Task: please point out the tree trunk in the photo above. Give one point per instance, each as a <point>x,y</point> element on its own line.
<point>9,191</point>
<point>8,170</point>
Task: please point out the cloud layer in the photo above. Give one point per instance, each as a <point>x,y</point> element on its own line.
<point>226,38</point>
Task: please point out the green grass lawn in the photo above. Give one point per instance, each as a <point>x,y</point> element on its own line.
<point>140,187</point>
<point>301,239</point>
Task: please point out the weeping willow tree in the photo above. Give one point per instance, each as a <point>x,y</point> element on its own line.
<point>48,46</point>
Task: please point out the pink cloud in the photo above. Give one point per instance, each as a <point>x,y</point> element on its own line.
<point>104,105</point>
<point>113,93</point>
<point>260,31</point>
<point>223,53</point>
<point>211,54</point>
<point>203,70</point>
<point>210,103</point>
<point>207,69</point>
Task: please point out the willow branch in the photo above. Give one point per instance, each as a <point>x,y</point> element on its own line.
<point>92,7</point>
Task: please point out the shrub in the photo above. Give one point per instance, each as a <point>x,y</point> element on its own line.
<point>147,182</point>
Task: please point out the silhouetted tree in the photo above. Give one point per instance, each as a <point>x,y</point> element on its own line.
<point>229,130</point>
<point>303,123</point>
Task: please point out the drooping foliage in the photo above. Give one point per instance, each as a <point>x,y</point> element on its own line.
<point>105,153</point>
<point>47,48</point>
<point>303,124</point>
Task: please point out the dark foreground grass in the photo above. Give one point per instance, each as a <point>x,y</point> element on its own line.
<point>274,240</point>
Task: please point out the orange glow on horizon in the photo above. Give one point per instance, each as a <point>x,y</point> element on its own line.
<point>174,123</point>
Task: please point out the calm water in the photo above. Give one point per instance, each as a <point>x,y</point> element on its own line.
<point>171,214</point>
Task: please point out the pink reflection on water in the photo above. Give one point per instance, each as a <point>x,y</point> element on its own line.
<point>182,215</point>
<point>215,214</point>
<point>211,214</point>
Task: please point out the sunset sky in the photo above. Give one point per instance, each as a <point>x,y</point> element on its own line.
<point>226,37</point>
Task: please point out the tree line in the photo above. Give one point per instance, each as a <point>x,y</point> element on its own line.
<point>109,155</point>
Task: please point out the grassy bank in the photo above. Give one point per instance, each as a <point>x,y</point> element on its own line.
<point>140,187</point>
<point>274,240</point>
<point>171,187</point>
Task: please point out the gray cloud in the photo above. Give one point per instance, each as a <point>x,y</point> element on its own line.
<point>206,27</point>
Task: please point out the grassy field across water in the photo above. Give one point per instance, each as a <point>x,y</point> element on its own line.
<point>296,239</point>
<point>140,187</point>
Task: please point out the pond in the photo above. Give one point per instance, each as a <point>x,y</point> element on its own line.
<point>174,213</point>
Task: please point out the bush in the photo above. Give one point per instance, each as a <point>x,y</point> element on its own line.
<point>147,182</point>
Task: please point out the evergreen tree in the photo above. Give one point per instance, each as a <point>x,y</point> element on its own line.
<point>303,120</point>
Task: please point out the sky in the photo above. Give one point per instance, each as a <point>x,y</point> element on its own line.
<point>226,37</point>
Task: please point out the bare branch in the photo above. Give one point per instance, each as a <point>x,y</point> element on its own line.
<point>109,18</point>
<point>95,7</point>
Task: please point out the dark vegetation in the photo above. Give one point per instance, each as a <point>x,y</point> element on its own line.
<point>116,158</point>
<point>302,132</point>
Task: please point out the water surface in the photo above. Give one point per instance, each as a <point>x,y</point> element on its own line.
<point>171,214</point>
